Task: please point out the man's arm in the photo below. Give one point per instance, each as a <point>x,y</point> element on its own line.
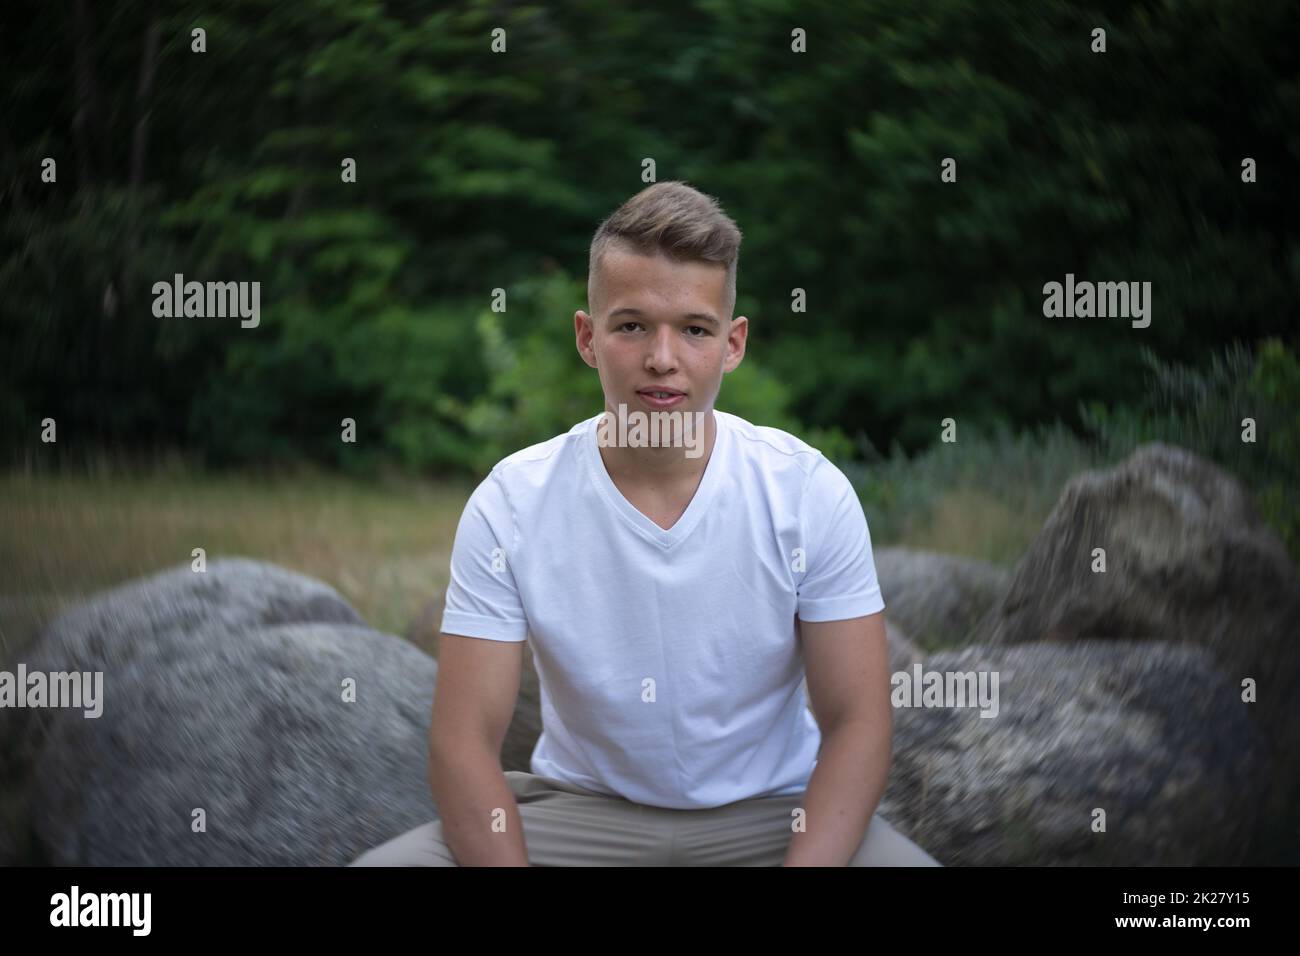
<point>478,684</point>
<point>847,665</point>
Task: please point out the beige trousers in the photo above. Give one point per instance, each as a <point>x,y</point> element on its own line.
<point>566,825</point>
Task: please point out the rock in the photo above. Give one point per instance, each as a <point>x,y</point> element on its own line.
<point>233,591</point>
<point>107,631</point>
<point>224,691</point>
<point>1149,732</point>
<point>937,598</point>
<point>1188,560</point>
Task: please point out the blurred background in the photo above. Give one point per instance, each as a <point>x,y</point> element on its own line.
<point>478,170</point>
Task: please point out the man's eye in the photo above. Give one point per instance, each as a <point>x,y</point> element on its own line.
<point>701,328</point>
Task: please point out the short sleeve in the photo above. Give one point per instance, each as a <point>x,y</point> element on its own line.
<point>839,580</point>
<point>482,597</point>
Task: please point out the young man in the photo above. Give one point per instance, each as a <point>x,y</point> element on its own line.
<point>674,593</point>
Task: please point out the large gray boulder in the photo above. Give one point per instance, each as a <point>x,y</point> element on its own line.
<point>1150,733</point>
<point>223,691</point>
<point>113,626</point>
<point>1188,560</point>
<point>937,598</point>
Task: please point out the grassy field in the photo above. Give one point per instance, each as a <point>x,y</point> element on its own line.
<point>384,545</point>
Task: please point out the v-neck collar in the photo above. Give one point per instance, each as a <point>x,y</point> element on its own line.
<point>665,538</point>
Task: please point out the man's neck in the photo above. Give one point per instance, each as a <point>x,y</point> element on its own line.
<point>662,467</point>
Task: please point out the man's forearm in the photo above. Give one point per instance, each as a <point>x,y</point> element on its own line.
<point>480,818</point>
<point>842,795</point>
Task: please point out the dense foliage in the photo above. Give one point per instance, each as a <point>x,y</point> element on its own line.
<point>479,170</point>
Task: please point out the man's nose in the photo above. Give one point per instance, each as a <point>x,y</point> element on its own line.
<point>662,356</point>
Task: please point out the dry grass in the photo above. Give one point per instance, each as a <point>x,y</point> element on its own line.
<point>973,523</point>
<point>384,545</point>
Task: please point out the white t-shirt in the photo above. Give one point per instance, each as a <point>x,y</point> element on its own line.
<point>668,660</point>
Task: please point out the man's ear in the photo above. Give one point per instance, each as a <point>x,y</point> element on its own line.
<point>741,336</point>
<point>579,341</point>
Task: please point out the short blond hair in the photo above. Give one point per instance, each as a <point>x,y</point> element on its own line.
<point>676,220</point>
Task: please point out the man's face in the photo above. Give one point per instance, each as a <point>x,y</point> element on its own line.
<point>659,324</point>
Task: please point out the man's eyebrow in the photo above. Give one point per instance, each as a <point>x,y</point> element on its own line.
<point>689,316</point>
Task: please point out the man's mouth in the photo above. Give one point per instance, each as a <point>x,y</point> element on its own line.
<point>661,397</point>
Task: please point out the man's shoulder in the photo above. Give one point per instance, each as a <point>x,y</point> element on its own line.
<point>531,470</point>
<point>543,454</point>
<point>773,449</point>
